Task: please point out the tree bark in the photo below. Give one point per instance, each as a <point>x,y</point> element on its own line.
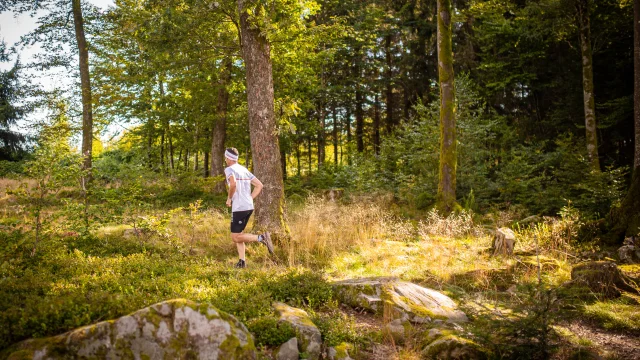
<point>256,52</point>
<point>389,84</point>
<point>206,164</point>
<point>164,123</point>
<point>636,82</point>
<point>219,133</point>
<point>359,119</point>
<point>625,220</point>
<point>85,83</point>
<point>321,137</point>
<point>587,83</point>
<point>309,154</point>
<point>376,124</point>
<point>283,160</point>
<point>298,158</point>
<point>335,136</point>
<point>171,162</point>
<point>446,197</point>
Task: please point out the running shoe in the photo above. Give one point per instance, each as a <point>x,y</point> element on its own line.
<point>266,239</point>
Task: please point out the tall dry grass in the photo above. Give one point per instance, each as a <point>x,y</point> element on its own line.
<point>320,229</point>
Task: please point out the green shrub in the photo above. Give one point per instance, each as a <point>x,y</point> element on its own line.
<point>269,332</point>
<point>336,328</point>
<point>300,288</point>
<point>11,168</point>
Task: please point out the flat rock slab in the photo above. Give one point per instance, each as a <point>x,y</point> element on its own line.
<point>307,333</point>
<point>398,298</point>
<point>174,329</point>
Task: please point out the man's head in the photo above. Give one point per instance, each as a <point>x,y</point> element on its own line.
<point>231,156</point>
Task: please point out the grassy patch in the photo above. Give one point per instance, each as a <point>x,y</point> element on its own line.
<point>620,314</point>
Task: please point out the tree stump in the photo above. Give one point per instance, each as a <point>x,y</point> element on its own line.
<point>602,277</point>
<point>333,194</point>
<point>504,241</point>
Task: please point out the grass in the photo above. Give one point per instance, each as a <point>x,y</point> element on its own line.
<point>621,314</point>
<point>77,280</point>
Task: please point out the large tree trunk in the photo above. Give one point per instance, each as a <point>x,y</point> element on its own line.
<point>446,197</point>
<point>219,127</point>
<point>587,83</point>
<point>636,82</point>
<point>625,220</point>
<point>85,83</point>
<point>265,147</point>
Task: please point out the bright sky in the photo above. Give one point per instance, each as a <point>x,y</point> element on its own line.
<point>12,28</point>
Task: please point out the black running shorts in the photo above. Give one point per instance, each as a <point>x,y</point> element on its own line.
<point>239,220</point>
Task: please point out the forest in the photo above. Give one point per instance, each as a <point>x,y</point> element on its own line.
<point>439,179</point>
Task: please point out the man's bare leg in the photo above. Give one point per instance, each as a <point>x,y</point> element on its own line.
<point>240,239</point>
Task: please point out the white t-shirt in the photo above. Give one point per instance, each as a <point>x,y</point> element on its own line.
<point>241,200</point>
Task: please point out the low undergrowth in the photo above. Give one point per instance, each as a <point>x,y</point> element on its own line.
<point>76,279</point>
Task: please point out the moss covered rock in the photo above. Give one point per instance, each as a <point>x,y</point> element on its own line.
<point>168,330</point>
<point>454,348</point>
<point>398,299</point>
<point>340,352</point>
<point>307,333</point>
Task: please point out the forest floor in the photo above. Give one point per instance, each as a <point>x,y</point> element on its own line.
<point>76,280</point>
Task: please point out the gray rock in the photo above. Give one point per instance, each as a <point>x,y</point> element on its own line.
<point>339,352</point>
<point>398,330</point>
<point>169,330</point>
<point>630,251</point>
<point>288,350</point>
<point>307,333</point>
<point>402,299</point>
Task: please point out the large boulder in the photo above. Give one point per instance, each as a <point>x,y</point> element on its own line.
<point>175,329</point>
<point>398,299</point>
<point>307,333</point>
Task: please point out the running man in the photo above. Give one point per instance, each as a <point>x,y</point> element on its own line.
<point>240,198</point>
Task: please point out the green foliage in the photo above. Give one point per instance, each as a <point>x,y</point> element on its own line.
<point>53,167</point>
<point>268,331</point>
<point>526,333</point>
<point>11,168</point>
<point>336,327</point>
<point>300,287</point>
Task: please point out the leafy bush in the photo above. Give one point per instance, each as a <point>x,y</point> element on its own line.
<point>11,168</point>
<point>300,288</point>
<point>269,332</point>
<point>336,328</point>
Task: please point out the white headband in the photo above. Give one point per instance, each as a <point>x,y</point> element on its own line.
<point>230,156</point>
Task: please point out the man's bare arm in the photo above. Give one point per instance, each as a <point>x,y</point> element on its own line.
<point>257,187</point>
<point>232,189</point>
